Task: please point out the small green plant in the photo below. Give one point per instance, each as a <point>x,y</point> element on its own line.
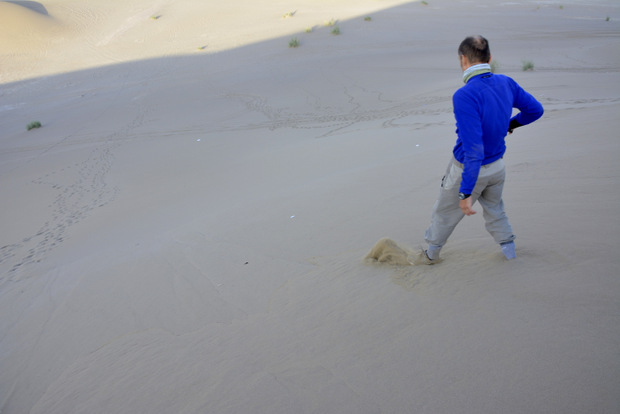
<point>202,47</point>
<point>561,7</point>
<point>33,125</point>
<point>527,65</point>
<point>294,42</point>
<point>330,23</point>
<point>424,3</point>
<point>367,18</point>
<point>155,17</point>
<point>336,31</point>
<point>288,14</point>
<point>309,29</point>
<point>607,19</point>
<point>494,66</point>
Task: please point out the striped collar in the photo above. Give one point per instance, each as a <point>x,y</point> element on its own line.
<point>475,70</point>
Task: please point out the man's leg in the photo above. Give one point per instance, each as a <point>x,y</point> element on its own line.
<point>446,212</point>
<point>496,221</point>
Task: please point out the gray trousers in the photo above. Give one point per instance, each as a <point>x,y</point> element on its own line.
<point>488,192</point>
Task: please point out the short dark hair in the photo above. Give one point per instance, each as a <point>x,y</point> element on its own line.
<point>476,49</point>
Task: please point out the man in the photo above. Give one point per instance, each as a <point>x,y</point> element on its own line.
<point>483,109</point>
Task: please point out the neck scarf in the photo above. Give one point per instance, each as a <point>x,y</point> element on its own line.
<point>475,70</point>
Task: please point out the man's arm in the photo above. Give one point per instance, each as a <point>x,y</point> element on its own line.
<point>529,109</point>
<point>469,132</point>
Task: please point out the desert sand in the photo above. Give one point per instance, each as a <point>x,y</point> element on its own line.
<point>186,231</point>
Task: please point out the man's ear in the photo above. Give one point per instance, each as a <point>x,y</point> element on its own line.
<point>464,62</point>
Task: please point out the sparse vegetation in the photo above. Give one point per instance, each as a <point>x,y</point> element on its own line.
<point>331,23</point>
<point>289,14</point>
<point>607,19</point>
<point>294,42</point>
<point>336,30</point>
<point>424,3</point>
<point>155,17</point>
<point>527,65</point>
<point>33,125</point>
<point>202,47</point>
<point>309,29</point>
<point>367,18</point>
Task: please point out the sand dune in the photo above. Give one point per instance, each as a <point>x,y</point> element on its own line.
<point>186,231</point>
<point>24,25</point>
<point>110,32</point>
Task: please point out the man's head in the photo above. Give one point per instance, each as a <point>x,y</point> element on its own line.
<point>474,50</point>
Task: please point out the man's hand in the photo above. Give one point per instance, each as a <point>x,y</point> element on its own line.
<point>513,125</point>
<point>465,206</point>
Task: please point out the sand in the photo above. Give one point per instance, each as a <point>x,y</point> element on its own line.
<point>186,232</point>
<point>387,251</point>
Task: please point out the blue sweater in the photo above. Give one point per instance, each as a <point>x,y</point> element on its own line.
<point>483,109</point>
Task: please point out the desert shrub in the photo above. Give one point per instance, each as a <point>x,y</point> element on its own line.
<point>33,125</point>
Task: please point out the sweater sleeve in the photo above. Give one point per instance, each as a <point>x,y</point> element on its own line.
<point>529,108</point>
<point>469,124</point>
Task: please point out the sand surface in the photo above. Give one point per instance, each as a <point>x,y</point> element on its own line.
<point>186,231</point>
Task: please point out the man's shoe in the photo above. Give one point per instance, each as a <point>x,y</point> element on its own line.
<point>433,252</point>
<point>509,250</point>
<point>422,258</point>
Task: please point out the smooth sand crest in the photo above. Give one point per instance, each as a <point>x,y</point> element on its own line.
<point>67,35</point>
<point>184,233</point>
<point>26,28</point>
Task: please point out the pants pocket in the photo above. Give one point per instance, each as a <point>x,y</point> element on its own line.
<point>452,177</point>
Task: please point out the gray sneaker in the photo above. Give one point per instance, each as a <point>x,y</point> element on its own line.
<point>433,251</point>
<point>422,258</point>
<point>509,250</point>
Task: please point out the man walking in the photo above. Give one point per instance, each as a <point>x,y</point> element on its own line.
<point>476,172</point>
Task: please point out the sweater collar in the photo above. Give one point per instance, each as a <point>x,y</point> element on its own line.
<point>475,70</point>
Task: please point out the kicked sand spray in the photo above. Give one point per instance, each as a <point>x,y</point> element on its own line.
<point>388,251</point>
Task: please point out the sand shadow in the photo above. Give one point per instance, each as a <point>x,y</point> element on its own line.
<point>32,5</point>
